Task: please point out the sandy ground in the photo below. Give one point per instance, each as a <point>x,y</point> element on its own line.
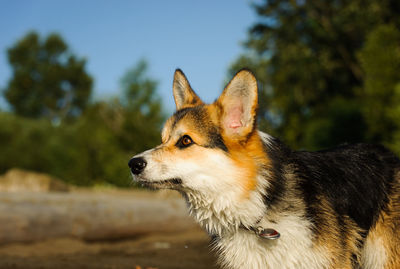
<point>162,251</point>
<point>160,248</point>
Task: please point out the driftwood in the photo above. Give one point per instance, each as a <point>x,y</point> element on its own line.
<point>89,215</point>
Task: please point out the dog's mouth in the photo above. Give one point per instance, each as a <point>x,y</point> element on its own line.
<point>160,184</point>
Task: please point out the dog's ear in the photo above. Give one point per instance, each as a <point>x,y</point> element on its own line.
<point>239,103</point>
<point>183,94</point>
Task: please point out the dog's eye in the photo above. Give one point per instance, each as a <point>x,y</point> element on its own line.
<point>184,142</point>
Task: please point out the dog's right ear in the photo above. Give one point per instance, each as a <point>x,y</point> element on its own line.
<point>183,94</point>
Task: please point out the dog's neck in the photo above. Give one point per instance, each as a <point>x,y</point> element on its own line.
<point>226,213</point>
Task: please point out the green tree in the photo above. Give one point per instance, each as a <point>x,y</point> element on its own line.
<point>47,80</point>
<point>380,60</point>
<point>142,114</point>
<point>306,54</point>
<point>101,157</point>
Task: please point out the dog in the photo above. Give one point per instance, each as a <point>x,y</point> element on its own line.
<point>265,205</point>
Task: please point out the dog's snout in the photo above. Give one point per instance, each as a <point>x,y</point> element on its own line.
<point>137,165</point>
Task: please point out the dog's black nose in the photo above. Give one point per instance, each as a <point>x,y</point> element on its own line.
<point>137,165</point>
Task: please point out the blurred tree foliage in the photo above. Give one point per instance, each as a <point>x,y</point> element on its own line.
<point>84,152</point>
<point>328,71</point>
<point>48,80</point>
<point>142,109</point>
<point>96,146</point>
<point>380,60</point>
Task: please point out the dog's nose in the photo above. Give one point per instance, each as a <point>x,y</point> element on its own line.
<point>137,165</point>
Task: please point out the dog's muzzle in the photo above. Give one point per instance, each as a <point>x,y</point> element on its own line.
<point>137,165</point>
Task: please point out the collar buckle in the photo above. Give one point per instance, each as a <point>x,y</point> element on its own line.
<point>267,233</point>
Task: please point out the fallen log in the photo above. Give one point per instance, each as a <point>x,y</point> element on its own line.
<point>88,215</point>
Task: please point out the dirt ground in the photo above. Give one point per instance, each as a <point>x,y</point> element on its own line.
<point>38,230</point>
<point>189,249</point>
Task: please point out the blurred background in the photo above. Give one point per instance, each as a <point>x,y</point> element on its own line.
<point>84,85</point>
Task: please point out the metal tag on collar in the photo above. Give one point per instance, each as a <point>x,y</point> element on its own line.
<point>267,233</point>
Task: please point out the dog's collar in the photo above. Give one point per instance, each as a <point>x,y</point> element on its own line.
<point>265,233</point>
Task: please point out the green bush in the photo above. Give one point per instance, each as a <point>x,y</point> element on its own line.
<point>85,152</point>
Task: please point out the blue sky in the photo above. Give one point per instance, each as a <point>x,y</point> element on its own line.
<point>201,37</point>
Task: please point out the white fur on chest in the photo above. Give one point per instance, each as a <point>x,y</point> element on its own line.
<point>223,213</point>
<point>294,249</point>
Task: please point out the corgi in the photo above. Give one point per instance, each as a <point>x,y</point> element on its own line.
<point>265,205</point>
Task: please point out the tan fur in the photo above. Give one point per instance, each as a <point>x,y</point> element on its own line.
<point>339,246</point>
<point>168,150</point>
<point>184,95</point>
<point>387,229</point>
<point>188,126</point>
<point>250,157</point>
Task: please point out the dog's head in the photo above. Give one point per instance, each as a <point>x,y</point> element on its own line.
<point>209,149</point>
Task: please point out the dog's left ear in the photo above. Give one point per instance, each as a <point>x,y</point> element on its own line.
<point>183,94</point>
<point>239,103</point>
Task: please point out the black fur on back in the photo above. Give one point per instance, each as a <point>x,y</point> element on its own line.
<point>278,154</point>
<point>355,179</point>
